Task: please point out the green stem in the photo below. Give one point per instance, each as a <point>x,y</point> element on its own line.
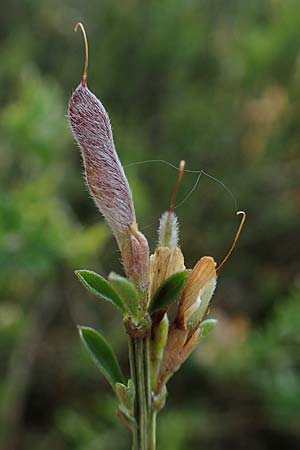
<point>153,430</point>
<point>147,368</point>
<point>135,430</point>
<point>139,354</point>
<point>142,393</point>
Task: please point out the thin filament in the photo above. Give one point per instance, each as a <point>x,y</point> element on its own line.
<point>199,172</point>
<point>179,178</point>
<point>234,241</point>
<point>86,62</point>
<point>190,192</point>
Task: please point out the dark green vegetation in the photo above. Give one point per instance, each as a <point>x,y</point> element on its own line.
<point>216,83</point>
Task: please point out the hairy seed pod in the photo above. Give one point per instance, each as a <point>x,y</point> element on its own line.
<point>104,173</point>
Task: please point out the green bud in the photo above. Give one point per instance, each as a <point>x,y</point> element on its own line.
<point>207,326</point>
<point>168,230</point>
<point>126,396</point>
<point>157,347</point>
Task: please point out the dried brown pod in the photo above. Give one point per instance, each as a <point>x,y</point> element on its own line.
<point>203,272</point>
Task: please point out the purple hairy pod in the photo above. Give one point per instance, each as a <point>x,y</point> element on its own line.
<point>105,175</point>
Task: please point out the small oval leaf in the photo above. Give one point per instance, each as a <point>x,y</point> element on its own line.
<point>169,291</point>
<point>102,354</point>
<point>127,291</point>
<point>100,287</point>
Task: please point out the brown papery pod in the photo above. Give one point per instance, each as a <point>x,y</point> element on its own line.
<point>172,359</point>
<point>164,263</point>
<point>105,176</point>
<point>203,272</point>
<point>178,348</point>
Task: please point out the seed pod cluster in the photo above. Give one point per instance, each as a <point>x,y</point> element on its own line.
<point>160,338</point>
<point>183,336</point>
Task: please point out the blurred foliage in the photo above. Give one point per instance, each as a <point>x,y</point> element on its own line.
<point>214,82</point>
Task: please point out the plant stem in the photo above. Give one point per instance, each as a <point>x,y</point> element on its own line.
<point>135,431</point>
<point>140,372</point>
<point>142,393</point>
<point>152,425</point>
<point>147,368</point>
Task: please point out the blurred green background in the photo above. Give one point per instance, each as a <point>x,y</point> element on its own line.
<point>214,82</point>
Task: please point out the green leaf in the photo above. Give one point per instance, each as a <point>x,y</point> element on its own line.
<point>127,291</point>
<point>102,354</point>
<point>169,291</point>
<point>101,288</point>
<point>207,326</point>
<point>158,343</point>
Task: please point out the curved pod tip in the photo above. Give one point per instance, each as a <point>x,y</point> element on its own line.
<point>86,46</point>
